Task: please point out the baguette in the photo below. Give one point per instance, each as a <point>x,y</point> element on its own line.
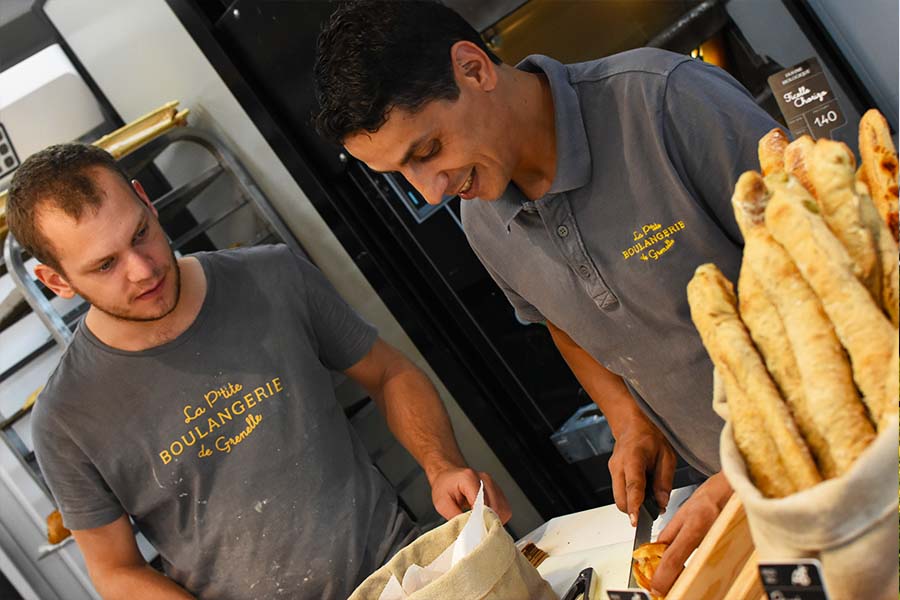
<point>777,458</point>
<point>887,252</point>
<point>771,151</point>
<point>794,221</point>
<point>892,385</point>
<point>833,171</point>
<point>879,164</point>
<point>769,335</point>
<point>802,352</point>
<point>797,157</point>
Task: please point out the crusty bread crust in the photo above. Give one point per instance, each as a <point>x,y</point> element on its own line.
<point>797,157</point>
<point>776,455</point>
<point>771,151</point>
<point>802,352</point>
<point>794,221</point>
<point>833,174</point>
<point>879,165</point>
<point>886,249</point>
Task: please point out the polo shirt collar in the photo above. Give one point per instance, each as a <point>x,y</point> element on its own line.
<point>573,158</point>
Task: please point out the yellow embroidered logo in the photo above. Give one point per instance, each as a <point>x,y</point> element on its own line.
<point>224,412</point>
<point>648,239</point>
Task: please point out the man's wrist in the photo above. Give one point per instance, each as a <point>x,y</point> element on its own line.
<point>434,468</point>
<point>719,489</point>
<point>629,421</point>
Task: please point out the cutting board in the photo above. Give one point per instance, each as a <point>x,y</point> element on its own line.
<point>601,538</point>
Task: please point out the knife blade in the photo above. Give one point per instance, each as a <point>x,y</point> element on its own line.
<point>647,514</point>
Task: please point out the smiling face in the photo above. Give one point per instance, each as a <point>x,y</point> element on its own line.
<point>447,147</point>
<point>117,257</point>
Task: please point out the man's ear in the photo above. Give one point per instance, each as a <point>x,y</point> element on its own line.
<point>51,278</point>
<point>139,190</point>
<point>471,65</point>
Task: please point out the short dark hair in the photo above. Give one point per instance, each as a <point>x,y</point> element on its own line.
<point>374,55</point>
<point>56,177</point>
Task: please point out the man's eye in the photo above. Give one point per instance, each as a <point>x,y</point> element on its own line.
<point>432,152</point>
<point>141,233</point>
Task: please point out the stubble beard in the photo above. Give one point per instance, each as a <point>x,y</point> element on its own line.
<point>122,316</point>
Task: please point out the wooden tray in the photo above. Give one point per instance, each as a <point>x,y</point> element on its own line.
<point>724,565</point>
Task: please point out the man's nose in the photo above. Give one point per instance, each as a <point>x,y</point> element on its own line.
<point>140,267</point>
<point>431,184</point>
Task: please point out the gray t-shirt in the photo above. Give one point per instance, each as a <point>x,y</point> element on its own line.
<point>649,145</point>
<point>226,445</point>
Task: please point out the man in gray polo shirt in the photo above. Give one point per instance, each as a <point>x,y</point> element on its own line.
<point>592,193</point>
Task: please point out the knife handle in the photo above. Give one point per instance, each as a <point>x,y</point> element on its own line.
<point>650,499</point>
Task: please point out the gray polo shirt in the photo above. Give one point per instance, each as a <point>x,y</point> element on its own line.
<point>649,146</point>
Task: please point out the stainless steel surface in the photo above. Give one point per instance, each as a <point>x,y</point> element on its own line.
<point>12,255</point>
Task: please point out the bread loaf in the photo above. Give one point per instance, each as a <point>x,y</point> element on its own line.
<point>771,151</point>
<point>797,157</point>
<point>793,219</point>
<point>879,164</point>
<point>886,250</point>
<point>777,457</point>
<point>833,175</point>
<point>798,342</point>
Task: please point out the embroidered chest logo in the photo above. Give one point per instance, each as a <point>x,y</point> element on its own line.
<point>653,241</point>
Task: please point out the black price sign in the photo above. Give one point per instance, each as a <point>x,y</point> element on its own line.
<point>801,580</point>
<point>627,595</point>
<point>806,100</point>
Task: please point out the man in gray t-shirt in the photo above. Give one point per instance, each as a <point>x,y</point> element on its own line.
<point>196,399</point>
<point>590,193</point>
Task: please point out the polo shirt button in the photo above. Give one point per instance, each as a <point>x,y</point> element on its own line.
<point>562,231</point>
<point>585,272</point>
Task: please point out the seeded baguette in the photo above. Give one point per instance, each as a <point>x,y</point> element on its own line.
<point>892,386</point>
<point>833,170</point>
<point>887,252</point>
<point>777,457</point>
<point>794,221</point>
<point>758,312</point>
<point>768,333</point>
<point>799,343</point>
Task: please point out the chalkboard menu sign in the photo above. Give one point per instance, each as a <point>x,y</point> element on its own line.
<point>806,100</point>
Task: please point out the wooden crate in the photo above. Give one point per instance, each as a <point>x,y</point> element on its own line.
<point>724,565</point>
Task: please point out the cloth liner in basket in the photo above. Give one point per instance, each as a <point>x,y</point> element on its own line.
<point>494,570</point>
<point>850,523</point>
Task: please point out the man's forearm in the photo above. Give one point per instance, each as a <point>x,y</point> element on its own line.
<point>605,388</point>
<point>140,582</point>
<point>418,419</point>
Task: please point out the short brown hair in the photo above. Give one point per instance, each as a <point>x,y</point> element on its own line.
<point>56,176</point>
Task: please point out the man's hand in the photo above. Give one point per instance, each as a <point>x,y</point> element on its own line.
<point>641,449</point>
<point>688,528</point>
<point>453,492</point>
<point>417,417</point>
